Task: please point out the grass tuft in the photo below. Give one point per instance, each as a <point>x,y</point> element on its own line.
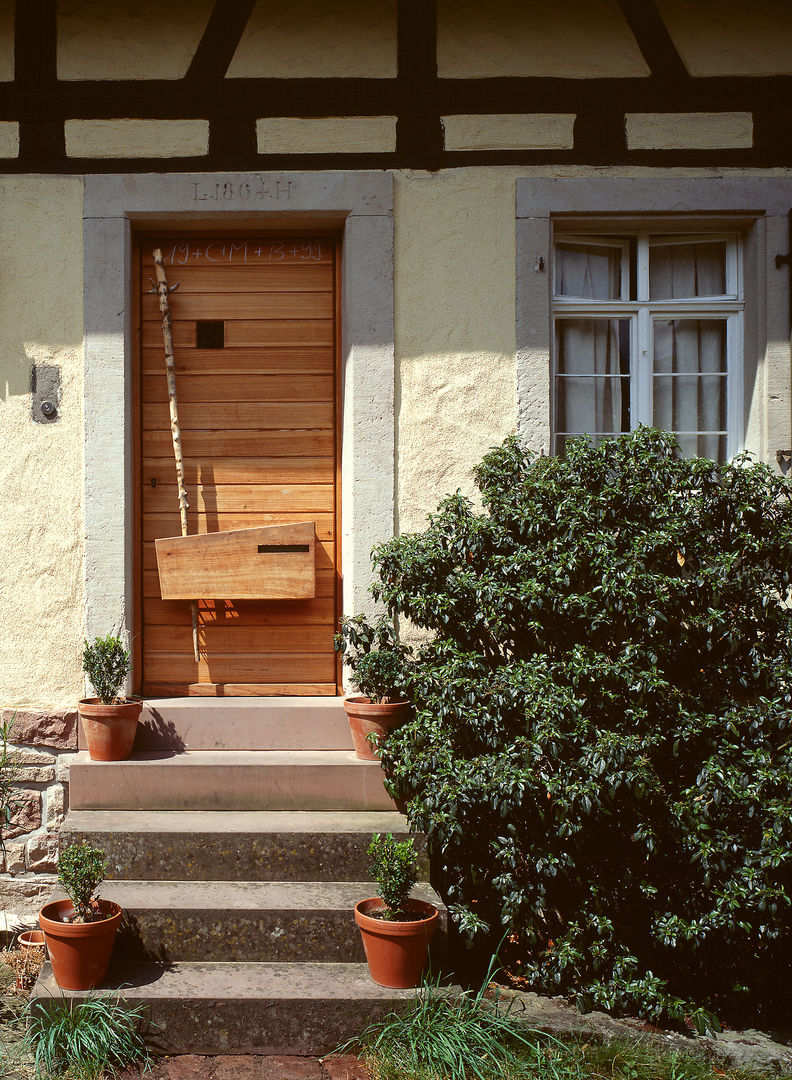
<point>87,1039</point>
<point>446,1035</point>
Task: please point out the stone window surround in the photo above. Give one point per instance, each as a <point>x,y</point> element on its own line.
<point>757,207</point>
<point>360,205</point>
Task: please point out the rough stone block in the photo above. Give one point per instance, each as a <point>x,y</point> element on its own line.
<point>57,798</point>
<point>27,756</point>
<point>14,859</point>
<point>42,853</point>
<point>64,760</point>
<point>37,774</point>
<point>26,815</point>
<point>43,727</point>
<point>25,895</point>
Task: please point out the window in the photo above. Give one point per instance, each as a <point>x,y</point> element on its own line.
<point>648,329</point>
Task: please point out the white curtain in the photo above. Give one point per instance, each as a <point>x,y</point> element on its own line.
<point>689,362</point>
<point>689,392</point>
<point>586,348</point>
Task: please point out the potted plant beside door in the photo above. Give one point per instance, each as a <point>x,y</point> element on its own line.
<point>378,664</point>
<point>109,720</point>
<point>395,928</point>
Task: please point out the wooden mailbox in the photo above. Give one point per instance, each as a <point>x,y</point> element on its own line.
<point>274,562</point>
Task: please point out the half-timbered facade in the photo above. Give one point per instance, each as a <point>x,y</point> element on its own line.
<point>401,229</point>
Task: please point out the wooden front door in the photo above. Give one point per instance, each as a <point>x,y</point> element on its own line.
<point>254,323</point>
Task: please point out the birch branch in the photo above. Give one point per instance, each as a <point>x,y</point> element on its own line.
<point>170,373</point>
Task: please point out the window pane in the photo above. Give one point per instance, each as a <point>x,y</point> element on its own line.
<point>708,446</point>
<point>689,384</point>
<point>589,406</point>
<point>679,271</point>
<point>588,271</point>
<point>592,385</point>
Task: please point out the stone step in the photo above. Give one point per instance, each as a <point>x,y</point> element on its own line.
<point>288,723</point>
<point>245,921</point>
<point>244,1008</point>
<point>251,845</point>
<point>229,780</point>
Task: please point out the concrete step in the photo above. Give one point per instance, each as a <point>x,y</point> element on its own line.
<point>229,780</point>
<point>245,921</point>
<point>288,723</point>
<point>250,1008</point>
<point>252,845</point>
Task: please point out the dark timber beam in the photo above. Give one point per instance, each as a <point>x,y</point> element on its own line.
<point>653,38</point>
<point>419,131</point>
<point>36,74</point>
<point>230,132</point>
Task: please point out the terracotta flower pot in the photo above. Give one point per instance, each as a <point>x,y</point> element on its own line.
<point>79,952</point>
<point>109,729</point>
<point>366,717</point>
<point>31,945</point>
<point>397,952</point>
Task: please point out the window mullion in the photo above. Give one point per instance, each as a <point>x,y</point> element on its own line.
<point>641,383</point>
<point>642,263</point>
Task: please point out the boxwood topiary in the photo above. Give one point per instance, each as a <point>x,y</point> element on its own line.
<point>601,753</point>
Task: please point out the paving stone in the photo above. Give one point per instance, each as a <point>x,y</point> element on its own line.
<point>345,1067</point>
<point>269,1067</point>
<point>186,1067</point>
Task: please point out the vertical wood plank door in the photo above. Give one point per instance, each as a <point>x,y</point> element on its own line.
<point>254,327</point>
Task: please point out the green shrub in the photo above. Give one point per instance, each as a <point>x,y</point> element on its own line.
<point>87,1039</point>
<point>377,660</point>
<point>394,868</point>
<point>601,749</point>
<point>106,663</point>
<point>81,870</point>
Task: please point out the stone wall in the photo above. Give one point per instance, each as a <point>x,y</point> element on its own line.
<point>43,742</point>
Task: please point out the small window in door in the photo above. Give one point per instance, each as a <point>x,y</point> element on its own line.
<point>210,334</point>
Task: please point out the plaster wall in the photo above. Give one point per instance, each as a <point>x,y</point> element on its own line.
<point>318,38</point>
<point>730,37</point>
<point>455,336</point>
<point>466,372</point>
<point>574,39</point>
<point>41,539</point>
<point>688,131</point>
<point>113,39</point>
<point>136,138</point>
<point>326,135</point>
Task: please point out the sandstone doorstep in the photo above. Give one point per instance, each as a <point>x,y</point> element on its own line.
<point>251,845</point>
<point>250,1008</point>
<point>230,780</point>
<point>288,921</point>
<point>243,724</point>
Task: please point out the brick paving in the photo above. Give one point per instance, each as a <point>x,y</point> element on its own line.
<point>252,1067</point>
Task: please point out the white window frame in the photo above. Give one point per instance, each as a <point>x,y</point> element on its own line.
<point>644,312</point>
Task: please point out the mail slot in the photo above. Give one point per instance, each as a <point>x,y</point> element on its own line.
<point>226,565</point>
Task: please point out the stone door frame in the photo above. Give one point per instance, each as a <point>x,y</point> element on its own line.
<point>360,205</point>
